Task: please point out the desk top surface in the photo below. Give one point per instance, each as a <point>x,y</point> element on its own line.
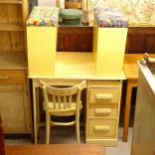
<point>75,65</point>
<point>56,149</point>
<point>130,66</point>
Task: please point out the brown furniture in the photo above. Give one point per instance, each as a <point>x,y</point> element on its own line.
<point>14,96</point>
<point>2,151</point>
<point>75,39</point>
<point>139,39</point>
<point>131,72</point>
<point>56,149</point>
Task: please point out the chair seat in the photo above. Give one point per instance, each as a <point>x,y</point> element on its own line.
<point>68,111</point>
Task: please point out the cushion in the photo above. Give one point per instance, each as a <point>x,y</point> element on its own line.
<point>43,16</point>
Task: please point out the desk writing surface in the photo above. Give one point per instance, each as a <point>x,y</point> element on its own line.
<point>77,65</point>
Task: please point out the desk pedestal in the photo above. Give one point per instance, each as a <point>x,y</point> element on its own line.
<point>103,107</point>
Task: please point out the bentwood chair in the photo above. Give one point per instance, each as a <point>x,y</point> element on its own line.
<point>62,102</point>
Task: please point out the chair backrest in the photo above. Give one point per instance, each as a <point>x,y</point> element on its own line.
<point>62,97</point>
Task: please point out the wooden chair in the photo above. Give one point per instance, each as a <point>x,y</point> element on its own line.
<point>62,102</point>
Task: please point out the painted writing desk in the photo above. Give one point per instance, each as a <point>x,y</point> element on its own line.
<point>131,73</point>
<point>103,95</point>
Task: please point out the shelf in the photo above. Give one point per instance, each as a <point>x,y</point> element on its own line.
<point>11,27</point>
<point>13,60</point>
<point>10,2</point>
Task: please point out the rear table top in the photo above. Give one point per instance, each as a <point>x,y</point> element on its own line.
<point>56,149</point>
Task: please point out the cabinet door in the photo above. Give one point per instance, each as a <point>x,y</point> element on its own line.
<point>14,109</point>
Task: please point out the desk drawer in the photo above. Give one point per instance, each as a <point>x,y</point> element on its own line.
<point>12,77</point>
<point>102,128</point>
<point>104,95</point>
<point>103,111</point>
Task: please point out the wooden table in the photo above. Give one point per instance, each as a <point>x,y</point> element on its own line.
<point>56,149</point>
<point>131,72</point>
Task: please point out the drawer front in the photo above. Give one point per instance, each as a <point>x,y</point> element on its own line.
<point>104,95</point>
<point>102,128</point>
<point>105,83</point>
<point>103,111</point>
<point>12,77</point>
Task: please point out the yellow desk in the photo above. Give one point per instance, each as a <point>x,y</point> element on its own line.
<point>103,95</point>
<point>131,72</point>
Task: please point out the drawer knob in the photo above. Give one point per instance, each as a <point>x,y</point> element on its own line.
<point>4,77</point>
<point>101,128</point>
<point>101,97</point>
<point>102,111</point>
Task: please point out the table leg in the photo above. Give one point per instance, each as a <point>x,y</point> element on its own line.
<point>34,114</point>
<point>130,85</point>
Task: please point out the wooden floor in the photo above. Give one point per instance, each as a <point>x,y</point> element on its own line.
<point>67,136</point>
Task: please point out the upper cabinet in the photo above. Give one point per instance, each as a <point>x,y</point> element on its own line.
<point>13,14</point>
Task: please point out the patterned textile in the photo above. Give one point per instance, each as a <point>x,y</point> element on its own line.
<point>111,3</point>
<point>43,16</point>
<point>109,17</point>
<point>139,12</point>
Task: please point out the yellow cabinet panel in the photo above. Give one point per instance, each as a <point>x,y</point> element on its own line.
<point>109,48</point>
<point>41,51</point>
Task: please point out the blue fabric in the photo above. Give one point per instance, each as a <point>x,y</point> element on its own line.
<point>108,17</point>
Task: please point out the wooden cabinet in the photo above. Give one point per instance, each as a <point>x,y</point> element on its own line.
<point>14,98</point>
<point>14,108</point>
<point>75,39</point>
<point>139,39</point>
<point>143,139</point>
<point>103,104</point>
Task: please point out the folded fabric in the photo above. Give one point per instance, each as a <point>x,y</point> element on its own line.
<point>43,16</point>
<point>109,17</point>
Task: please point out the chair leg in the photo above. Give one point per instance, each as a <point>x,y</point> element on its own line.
<point>47,128</point>
<point>78,130</point>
